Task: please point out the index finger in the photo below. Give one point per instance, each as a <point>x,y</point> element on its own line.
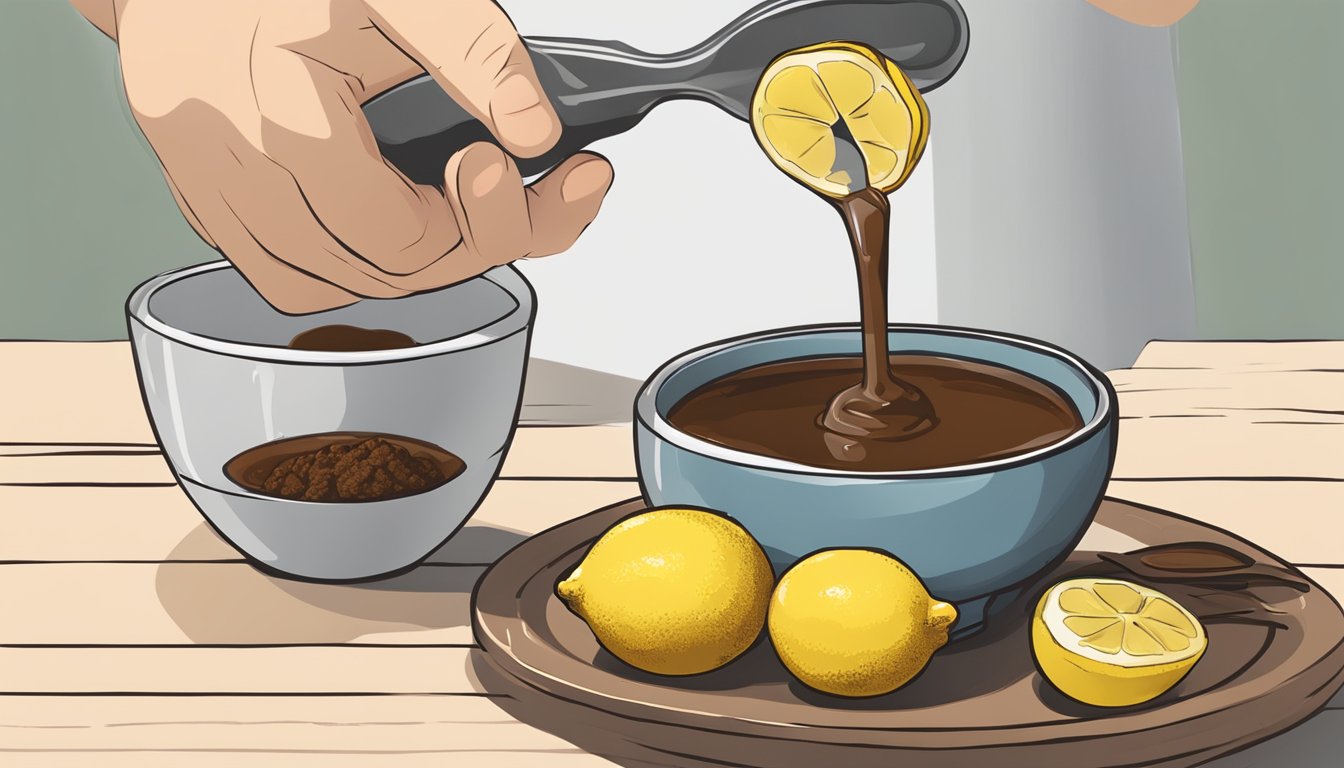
<point>474,53</point>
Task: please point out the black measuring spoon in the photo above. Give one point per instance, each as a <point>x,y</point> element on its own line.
<point>602,88</point>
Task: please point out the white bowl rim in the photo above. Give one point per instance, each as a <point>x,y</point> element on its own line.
<point>509,279</point>
<point>647,415</point>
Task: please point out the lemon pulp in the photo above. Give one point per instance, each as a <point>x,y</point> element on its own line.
<point>1109,642</point>
<point>804,95</point>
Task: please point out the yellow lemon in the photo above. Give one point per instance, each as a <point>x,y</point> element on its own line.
<point>1111,643</point>
<point>672,591</point>
<point>806,95</point>
<point>854,622</point>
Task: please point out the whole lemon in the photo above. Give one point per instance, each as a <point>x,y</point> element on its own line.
<point>1113,643</point>
<point>854,622</point>
<point>672,591</point>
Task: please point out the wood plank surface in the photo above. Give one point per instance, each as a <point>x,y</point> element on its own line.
<point>73,396</point>
<point>536,453</point>
<point>149,604</point>
<point>1208,445</point>
<point>414,725</point>
<point>195,670</point>
<point>411,723</point>
<point>1215,448</point>
<point>606,451</point>
<point>71,392</point>
<point>1252,396</point>
<point>154,524</point>
<point>161,524</point>
<point>1247,436</point>
<point>96,468</point>
<point>227,604</point>
<point>1295,520</point>
<point>1331,579</point>
<point>314,757</point>
<point>1272,444</point>
<point>1238,355</point>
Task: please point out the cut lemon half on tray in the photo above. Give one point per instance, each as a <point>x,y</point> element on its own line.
<point>1112,643</point>
<point>807,97</point>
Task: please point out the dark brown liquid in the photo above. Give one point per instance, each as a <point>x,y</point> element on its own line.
<point>344,467</point>
<point>1195,558</point>
<point>881,406</point>
<point>985,412</point>
<point>349,338</point>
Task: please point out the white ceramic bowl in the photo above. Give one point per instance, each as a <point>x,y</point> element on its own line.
<point>217,379</point>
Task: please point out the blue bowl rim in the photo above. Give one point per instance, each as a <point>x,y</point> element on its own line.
<point>506,277</point>
<point>648,417</point>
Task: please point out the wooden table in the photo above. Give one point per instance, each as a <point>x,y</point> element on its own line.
<point>131,635</point>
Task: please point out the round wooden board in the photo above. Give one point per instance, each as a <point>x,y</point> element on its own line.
<point>1275,656</point>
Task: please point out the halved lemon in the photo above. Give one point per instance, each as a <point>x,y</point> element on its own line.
<point>806,95</point>
<point>1111,643</point>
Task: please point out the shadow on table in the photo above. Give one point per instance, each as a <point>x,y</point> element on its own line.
<point>234,603</point>
<point>563,394</point>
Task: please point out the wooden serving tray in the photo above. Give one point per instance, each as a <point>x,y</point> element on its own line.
<point>1275,656</point>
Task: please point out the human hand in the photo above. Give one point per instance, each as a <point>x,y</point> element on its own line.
<point>1147,13</point>
<point>253,109</point>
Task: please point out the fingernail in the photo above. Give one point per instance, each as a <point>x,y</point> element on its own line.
<point>586,180</point>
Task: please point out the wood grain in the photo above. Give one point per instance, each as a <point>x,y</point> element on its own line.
<point>104,469</point>
<point>155,524</point>
<point>1232,410</point>
<point>76,449</point>
<point>192,670</point>
<point>412,723</point>
<point>1238,355</point>
<point>309,756</point>
<point>71,413</point>
<point>1246,444</point>
<point>233,604</point>
<point>1287,518</point>
<point>1251,396</point>
<point>1217,448</point>
<point>536,453</point>
<point>444,728</point>
<point>227,604</point>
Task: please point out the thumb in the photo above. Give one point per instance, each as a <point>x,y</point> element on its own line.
<point>471,48</point>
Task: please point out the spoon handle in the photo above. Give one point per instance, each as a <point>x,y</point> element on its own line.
<point>602,88</point>
<point>597,89</point>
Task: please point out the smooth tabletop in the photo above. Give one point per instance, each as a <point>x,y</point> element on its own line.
<point>130,634</point>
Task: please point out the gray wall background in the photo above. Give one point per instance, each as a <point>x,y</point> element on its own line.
<point>1262,116</point>
<point>83,206</point>
<point>1059,195</point>
<point>1065,220</point>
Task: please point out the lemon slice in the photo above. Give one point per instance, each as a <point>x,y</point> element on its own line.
<point>1111,643</point>
<point>806,95</point>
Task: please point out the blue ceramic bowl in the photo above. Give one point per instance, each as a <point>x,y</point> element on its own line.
<point>977,535</point>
